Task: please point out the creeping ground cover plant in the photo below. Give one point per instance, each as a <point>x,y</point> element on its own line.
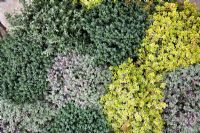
<point>110,31</point>
<point>116,30</point>
<point>23,118</point>
<point>74,78</point>
<point>101,66</point>
<point>134,102</point>
<point>88,3</point>
<point>72,119</point>
<point>23,69</point>
<point>182,94</point>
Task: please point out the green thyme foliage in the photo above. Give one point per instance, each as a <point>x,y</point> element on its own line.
<point>72,119</point>
<point>73,78</point>
<point>116,29</point>
<point>57,24</point>
<point>110,31</point>
<point>23,69</point>
<point>25,117</point>
<point>40,30</point>
<point>182,94</point>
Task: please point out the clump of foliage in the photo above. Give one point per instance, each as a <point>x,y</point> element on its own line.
<point>23,69</point>
<point>172,41</point>
<point>149,5</point>
<point>38,33</point>
<point>116,29</point>
<point>25,117</point>
<point>182,96</point>
<point>56,24</point>
<point>72,119</point>
<point>134,101</point>
<point>73,78</point>
<point>110,31</point>
<point>1,126</point>
<point>88,3</point>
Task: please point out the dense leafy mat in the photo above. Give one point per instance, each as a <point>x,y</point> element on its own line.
<point>73,78</point>
<point>101,66</point>
<point>72,119</point>
<point>23,69</point>
<point>182,96</point>
<point>110,32</point>
<point>134,102</point>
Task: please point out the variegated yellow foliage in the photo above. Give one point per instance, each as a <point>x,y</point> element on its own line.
<point>172,41</point>
<point>89,3</point>
<point>148,5</point>
<point>134,101</point>
<point>133,104</point>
